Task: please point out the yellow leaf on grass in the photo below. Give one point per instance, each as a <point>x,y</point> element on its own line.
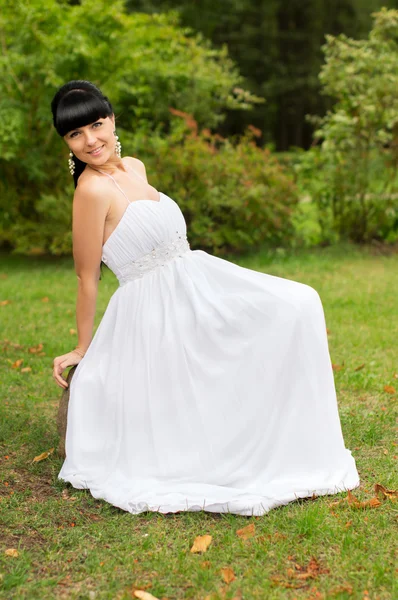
<point>336,503</point>
<point>389,389</point>
<point>43,455</point>
<point>353,501</point>
<point>144,595</point>
<point>72,331</point>
<point>45,299</point>
<point>5,302</point>
<point>227,574</point>
<point>17,363</point>
<point>26,370</point>
<point>298,575</point>
<point>12,552</point>
<point>246,532</point>
<point>390,494</point>
<point>201,543</point>
<point>36,349</point>
<point>341,588</point>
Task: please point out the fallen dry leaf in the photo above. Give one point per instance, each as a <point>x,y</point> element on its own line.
<point>45,299</point>
<point>246,532</point>
<point>315,594</point>
<point>72,331</point>
<point>389,389</point>
<point>26,370</point>
<point>341,588</point>
<point>353,501</point>
<point>227,574</point>
<point>43,455</point>
<point>144,595</point>
<point>221,592</point>
<point>36,349</point>
<point>360,367</point>
<point>300,574</point>
<point>277,580</point>
<point>65,496</point>
<point>201,543</point>
<point>17,363</point>
<point>336,367</point>
<point>336,502</point>
<point>385,493</point>
<point>12,552</point>
<point>5,302</point>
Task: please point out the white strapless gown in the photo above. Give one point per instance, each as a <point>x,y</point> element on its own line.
<point>207,386</point>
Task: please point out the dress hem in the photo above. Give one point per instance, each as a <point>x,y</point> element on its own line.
<point>237,506</point>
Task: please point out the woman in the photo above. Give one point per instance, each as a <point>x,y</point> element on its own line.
<point>206,385</point>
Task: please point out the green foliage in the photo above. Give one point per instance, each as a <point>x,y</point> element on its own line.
<point>277,46</point>
<point>143,63</point>
<point>352,174</point>
<point>234,195</point>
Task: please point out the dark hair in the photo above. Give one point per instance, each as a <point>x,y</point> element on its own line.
<point>76,104</point>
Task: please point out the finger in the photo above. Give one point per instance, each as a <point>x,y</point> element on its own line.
<point>59,380</point>
<point>60,368</point>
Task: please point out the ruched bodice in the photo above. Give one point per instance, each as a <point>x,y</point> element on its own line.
<point>149,234</point>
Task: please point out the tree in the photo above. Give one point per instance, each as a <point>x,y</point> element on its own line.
<point>353,170</point>
<point>277,46</point>
<point>144,63</point>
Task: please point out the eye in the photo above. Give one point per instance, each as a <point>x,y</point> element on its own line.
<point>97,123</point>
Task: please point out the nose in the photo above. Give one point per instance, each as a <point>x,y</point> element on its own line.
<point>91,138</point>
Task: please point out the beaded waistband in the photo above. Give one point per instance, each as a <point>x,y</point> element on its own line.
<point>158,257</point>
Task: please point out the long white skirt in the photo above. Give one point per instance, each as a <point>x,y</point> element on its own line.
<point>207,386</point>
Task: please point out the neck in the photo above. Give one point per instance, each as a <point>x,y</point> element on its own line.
<point>110,166</point>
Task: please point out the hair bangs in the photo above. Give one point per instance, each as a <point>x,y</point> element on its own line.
<point>78,108</point>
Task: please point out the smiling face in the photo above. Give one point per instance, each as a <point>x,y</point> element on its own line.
<point>94,143</point>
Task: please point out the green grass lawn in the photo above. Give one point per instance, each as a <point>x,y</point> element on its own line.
<point>73,546</point>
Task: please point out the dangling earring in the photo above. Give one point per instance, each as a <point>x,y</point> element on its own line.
<point>118,146</point>
<point>71,163</point>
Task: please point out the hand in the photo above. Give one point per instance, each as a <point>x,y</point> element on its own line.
<point>62,362</point>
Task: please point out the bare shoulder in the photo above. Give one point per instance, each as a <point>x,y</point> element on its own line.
<point>136,164</point>
<point>91,190</point>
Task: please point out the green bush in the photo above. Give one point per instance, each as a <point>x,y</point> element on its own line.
<point>352,174</point>
<point>144,63</point>
<point>234,195</point>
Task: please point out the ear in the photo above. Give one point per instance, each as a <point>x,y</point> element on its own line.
<point>112,118</point>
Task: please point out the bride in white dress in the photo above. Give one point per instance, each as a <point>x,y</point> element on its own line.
<point>206,386</point>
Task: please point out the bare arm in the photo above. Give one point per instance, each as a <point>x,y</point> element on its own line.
<point>90,207</point>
